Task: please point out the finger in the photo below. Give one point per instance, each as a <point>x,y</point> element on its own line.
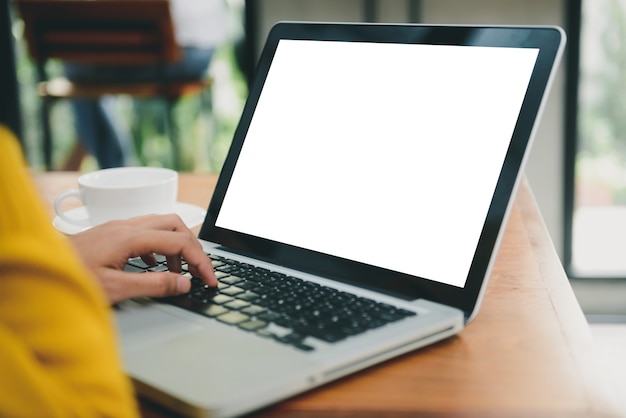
<point>202,267</point>
<point>173,263</point>
<point>122,285</point>
<point>170,222</point>
<point>149,259</point>
<point>172,243</point>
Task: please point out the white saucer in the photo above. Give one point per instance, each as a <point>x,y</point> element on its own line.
<point>191,215</point>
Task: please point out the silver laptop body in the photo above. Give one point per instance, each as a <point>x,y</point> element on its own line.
<point>378,160</point>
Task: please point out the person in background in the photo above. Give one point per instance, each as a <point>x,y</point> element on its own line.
<point>199,26</point>
<point>58,350</point>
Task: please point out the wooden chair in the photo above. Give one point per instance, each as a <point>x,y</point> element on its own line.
<point>103,32</point>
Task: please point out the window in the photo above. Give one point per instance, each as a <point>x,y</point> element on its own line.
<point>595,200</point>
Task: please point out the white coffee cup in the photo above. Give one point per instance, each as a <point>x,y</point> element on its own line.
<point>121,193</point>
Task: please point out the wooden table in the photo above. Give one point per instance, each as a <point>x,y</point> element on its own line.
<point>529,353</point>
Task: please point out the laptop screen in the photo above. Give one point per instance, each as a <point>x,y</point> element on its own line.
<point>385,154</point>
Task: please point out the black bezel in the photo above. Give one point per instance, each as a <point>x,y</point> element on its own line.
<point>547,39</point>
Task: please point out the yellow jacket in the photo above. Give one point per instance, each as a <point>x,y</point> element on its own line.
<point>58,353</point>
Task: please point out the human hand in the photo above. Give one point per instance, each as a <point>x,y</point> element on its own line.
<point>106,248</point>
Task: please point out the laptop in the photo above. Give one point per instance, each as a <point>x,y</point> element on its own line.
<point>366,191</point>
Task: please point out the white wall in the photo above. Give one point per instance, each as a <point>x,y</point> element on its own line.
<point>545,165</point>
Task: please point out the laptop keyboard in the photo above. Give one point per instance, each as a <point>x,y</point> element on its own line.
<point>278,306</point>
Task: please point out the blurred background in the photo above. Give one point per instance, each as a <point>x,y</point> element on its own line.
<point>205,129</point>
<point>576,169</point>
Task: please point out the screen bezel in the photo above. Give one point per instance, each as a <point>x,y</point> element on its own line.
<point>548,40</point>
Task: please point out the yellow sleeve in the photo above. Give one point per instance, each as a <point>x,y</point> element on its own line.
<point>58,352</point>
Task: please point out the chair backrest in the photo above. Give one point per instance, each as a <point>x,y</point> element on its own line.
<point>100,31</point>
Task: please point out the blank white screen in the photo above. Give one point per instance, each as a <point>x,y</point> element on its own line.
<point>387,154</point>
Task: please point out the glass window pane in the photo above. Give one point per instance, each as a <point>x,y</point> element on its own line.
<point>599,229</point>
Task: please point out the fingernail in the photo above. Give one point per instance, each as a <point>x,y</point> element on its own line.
<point>182,284</point>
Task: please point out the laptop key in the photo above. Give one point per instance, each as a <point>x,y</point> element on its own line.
<point>237,304</point>
<point>247,296</point>
<point>221,299</point>
<point>215,310</point>
<point>252,325</point>
<point>269,316</point>
<point>133,269</point>
<point>253,310</point>
<point>233,317</point>
<point>232,291</point>
<point>138,262</point>
<point>230,279</point>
